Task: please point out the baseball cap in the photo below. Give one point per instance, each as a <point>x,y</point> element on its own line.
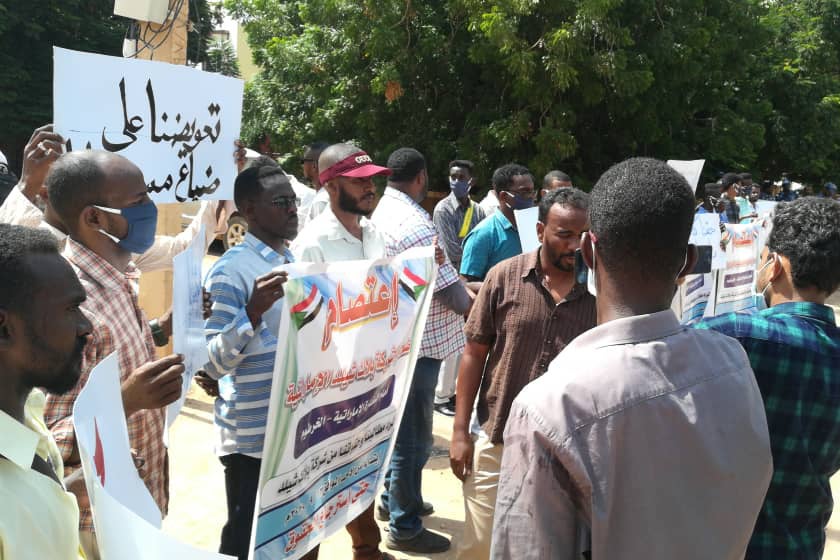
<point>358,165</point>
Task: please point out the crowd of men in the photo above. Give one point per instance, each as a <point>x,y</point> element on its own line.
<point>588,422</point>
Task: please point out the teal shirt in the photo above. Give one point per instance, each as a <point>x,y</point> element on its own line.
<point>493,240</point>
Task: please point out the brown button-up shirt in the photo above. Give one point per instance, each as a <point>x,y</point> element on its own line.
<point>525,328</point>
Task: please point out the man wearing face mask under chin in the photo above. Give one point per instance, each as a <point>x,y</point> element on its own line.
<point>794,349</point>
<point>496,237</point>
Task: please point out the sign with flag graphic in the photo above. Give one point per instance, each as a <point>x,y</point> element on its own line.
<point>348,342</point>
<point>125,515</point>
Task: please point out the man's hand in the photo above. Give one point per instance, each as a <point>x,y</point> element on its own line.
<point>206,304</point>
<point>165,323</point>
<point>440,256</point>
<point>43,148</point>
<point>268,288</point>
<point>207,383</point>
<point>461,455</point>
<point>239,155</point>
<point>153,385</point>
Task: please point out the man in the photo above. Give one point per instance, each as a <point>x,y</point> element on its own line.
<point>405,224</point>
<point>529,308</point>
<point>342,233</point>
<point>101,199</point>
<point>829,191</point>
<point>311,173</point>
<point>644,439</point>
<point>794,349</point>
<point>729,190</point>
<point>42,336</point>
<point>495,238</point>
<point>554,180</point>
<point>767,190</point>
<point>29,205</point>
<point>745,189</point>
<point>787,193</point>
<point>454,217</point>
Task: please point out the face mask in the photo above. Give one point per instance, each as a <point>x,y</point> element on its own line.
<point>520,202</point>
<point>142,222</point>
<point>591,286</point>
<point>759,299</point>
<point>459,188</point>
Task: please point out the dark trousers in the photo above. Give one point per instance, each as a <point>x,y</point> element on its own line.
<point>242,476</point>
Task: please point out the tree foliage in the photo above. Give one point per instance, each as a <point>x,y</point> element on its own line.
<point>574,84</point>
<point>221,58</point>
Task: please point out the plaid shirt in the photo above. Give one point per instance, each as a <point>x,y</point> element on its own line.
<point>405,224</point>
<point>733,212</point>
<point>119,325</point>
<point>794,349</point>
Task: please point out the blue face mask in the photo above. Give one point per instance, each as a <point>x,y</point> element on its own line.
<point>142,223</point>
<point>459,188</point>
<point>520,202</point>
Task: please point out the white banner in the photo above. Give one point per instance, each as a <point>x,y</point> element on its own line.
<point>176,123</point>
<point>348,342</point>
<point>735,286</point>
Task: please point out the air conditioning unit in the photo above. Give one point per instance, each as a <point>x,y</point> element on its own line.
<point>142,10</point>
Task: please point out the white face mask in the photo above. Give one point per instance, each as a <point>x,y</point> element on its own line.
<point>591,284</point>
<point>759,299</point>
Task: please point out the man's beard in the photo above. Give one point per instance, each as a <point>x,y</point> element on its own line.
<point>59,379</point>
<point>558,262</point>
<point>349,204</point>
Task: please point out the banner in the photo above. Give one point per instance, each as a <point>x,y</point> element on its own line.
<point>348,341</point>
<point>176,123</point>
<point>735,286</point>
<point>187,318</point>
<point>706,231</point>
<point>125,515</point>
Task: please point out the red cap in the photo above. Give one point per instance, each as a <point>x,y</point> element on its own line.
<point>355,165</point>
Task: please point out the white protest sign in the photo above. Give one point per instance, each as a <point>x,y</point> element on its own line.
<point>690,169</point>
<point>176,123</point>
<point>126,518</point>
<point>187,317</point>
<point>706,231</point>
<point>696,293</point>
<point>526,225</point>
<point>735,286</point>
<point>348,340</point>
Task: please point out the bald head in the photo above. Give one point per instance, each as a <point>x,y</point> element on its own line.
<point>92,177</point>
<point>335,153</point>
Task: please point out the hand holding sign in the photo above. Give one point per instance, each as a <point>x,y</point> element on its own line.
<point>268,288</point>
<point>153,385</point>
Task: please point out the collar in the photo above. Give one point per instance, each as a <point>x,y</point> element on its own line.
<point>338,231</point>
<point>533,267</point>
<point>100,270</point>
<point>815,311</point>
<point>404,198</point>
<point>455,203</point>
<point>502,219</point>
<point>270,255</point>
<point>17,441</point>
<point>630,330</point>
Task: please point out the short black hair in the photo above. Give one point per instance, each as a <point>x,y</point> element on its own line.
<point>555,174</point>
<point>807,232</point>
<point>17,283</point>
<point>571,197</point>
<point>712,189</point>
<point>251,182</point>
<point>262,161</point>
<point>74,182</point>
<point>743,176</point>
<point>314,149</point>
<point>463,164</point>
<point>641,212</point>
<point>405,164</point>
<point>503,176</point>
<point>729,179</point>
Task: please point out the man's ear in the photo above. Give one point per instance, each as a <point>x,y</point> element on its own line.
<point>92,218</point>
<point>780,264</point>
<point>587,250</point>
<point>540,231</point>
<point>6,329</point>
<point>691,257</point>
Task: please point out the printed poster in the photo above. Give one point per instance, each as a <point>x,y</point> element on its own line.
<point>735,286</point>
<point>348,342</point>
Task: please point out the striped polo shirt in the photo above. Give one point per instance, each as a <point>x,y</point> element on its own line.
<point>241,356</point>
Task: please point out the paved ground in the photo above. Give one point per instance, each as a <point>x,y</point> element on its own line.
<point>197,507</point>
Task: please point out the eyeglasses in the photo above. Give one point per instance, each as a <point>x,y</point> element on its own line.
<point>285,202</point>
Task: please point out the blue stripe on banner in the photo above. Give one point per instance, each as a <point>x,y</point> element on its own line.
<point>281,522</point>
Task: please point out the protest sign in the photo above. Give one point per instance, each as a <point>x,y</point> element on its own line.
<point>348,341</point>
<point>697,297</point>
<point>735,286</point>
<point>690,169</point>
<point>526,226</point>
<point>706,231</point>
<point>176,123</point>
<point>126,518</point>
<point>187,317</point>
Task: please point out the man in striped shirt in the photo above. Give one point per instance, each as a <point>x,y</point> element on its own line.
<point>242,338</point>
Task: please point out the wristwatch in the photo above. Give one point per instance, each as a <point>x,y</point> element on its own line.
<point>160,337</point>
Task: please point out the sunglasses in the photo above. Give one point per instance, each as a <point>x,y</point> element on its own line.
<point>285,202</point>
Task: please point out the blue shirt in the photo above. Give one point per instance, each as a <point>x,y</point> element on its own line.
<point>794,350</point>
<point>493,240</point>
<point>242,357</point>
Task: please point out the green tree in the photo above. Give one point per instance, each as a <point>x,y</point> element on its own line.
<point>221,58</point>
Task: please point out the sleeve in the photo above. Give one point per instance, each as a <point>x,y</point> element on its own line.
<point>18,210</point>
<point>481,324</point>
<point>536,517</point>
<point>476,254</point>
<point>228,330</point>
<point>159,256</point>
<point>448,238</point>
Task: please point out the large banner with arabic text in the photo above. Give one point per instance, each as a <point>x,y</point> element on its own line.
<point>348,343</point>
<point>176,123</point>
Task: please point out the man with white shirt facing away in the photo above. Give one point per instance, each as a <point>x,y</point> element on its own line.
<point>645,439</point>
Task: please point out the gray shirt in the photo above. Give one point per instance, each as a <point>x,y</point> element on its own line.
<point>643,440</point>
<point>449,218</point>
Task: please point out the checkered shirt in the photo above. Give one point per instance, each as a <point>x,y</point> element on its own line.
<point>405,224</point>
<point>118,325</point>
<point>794,349</point>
